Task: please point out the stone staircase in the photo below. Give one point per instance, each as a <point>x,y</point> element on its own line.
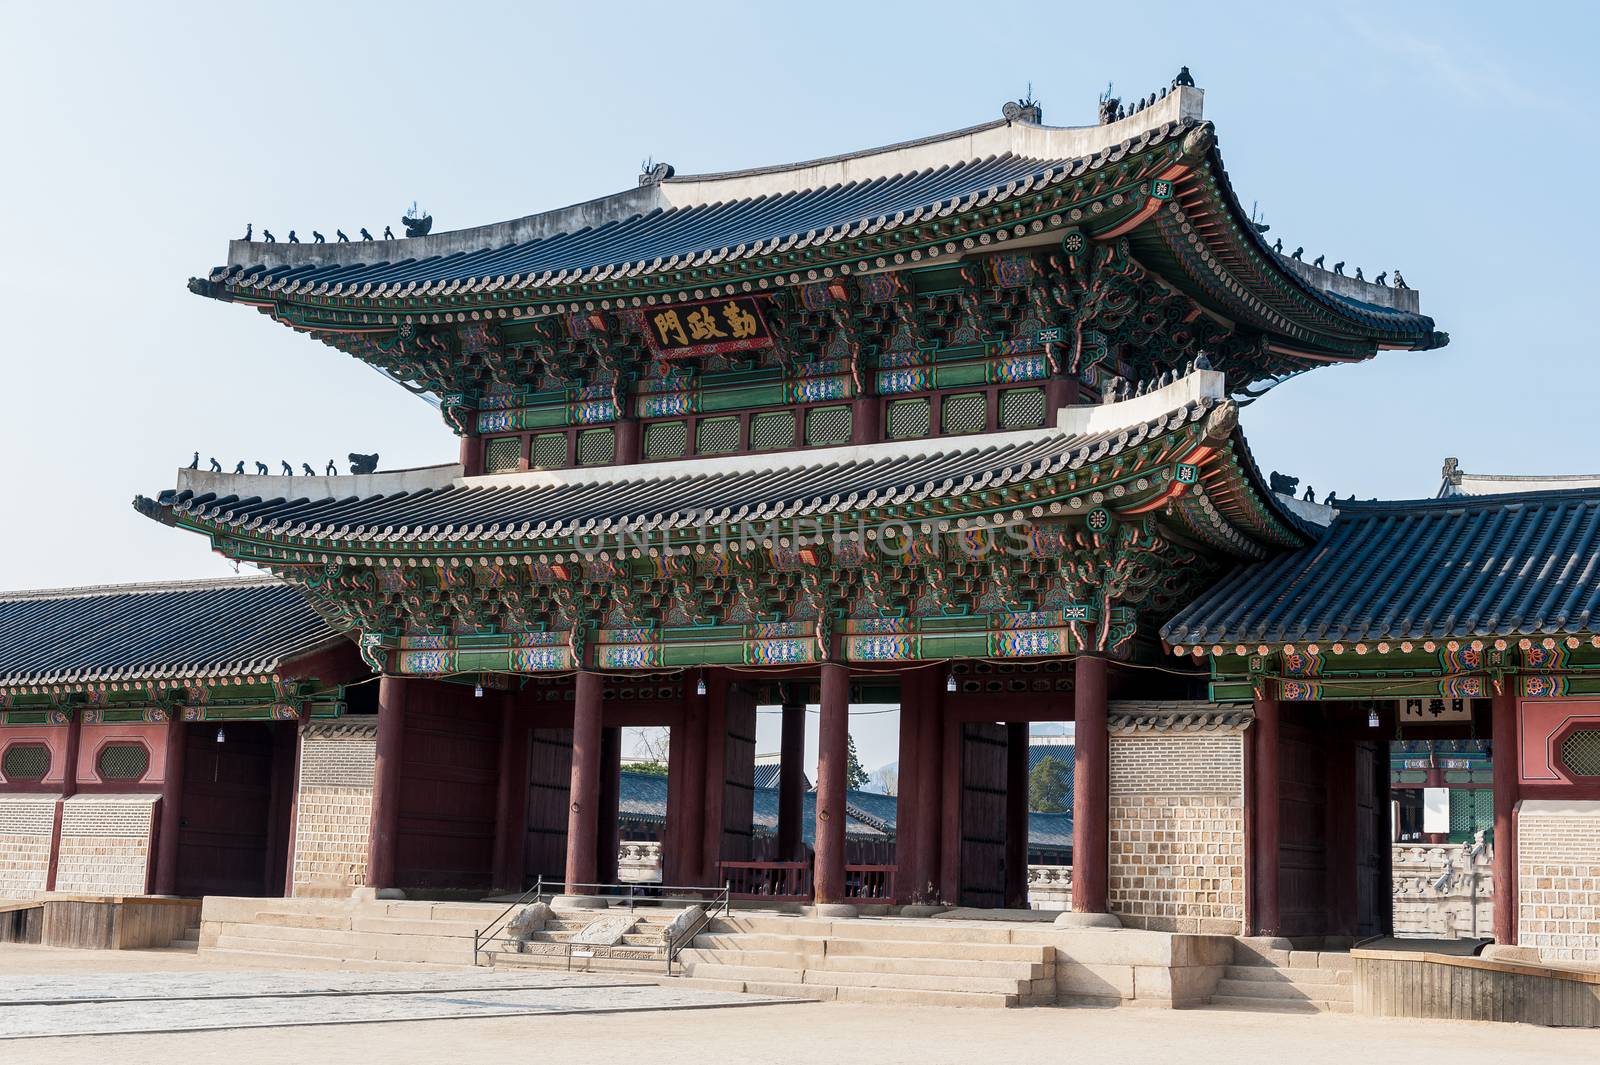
<point>1286,981</point>
<point>642,949</point>
<point>349,934</point>
<point>907,962</point>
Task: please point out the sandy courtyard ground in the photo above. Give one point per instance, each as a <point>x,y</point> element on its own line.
<point>800,1033</point>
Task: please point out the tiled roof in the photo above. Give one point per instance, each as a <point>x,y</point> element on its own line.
<point>1460,567</point>
<point>648,498</point>
<point>1049,831</point>
<point>1175,715</point>
<point>188,630</point>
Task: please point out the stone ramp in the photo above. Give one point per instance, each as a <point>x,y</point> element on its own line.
<point>345,934</point>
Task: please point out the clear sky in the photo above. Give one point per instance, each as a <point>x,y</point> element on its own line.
<point>1450,140</point>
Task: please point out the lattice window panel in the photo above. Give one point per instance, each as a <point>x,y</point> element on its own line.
<point>596,447</point>
<point>665,440</point>
<point>828,425</point>
<point>550,450</point>
<point>25,762</point>
<point>909,419</point>
<point>966,413</point>
<point>122,761</point>
<point>1022,408</point>
<point>1471,809</point>
<point>772,430</point>
<point>715,436</point>
<point>1580,753</point>
<point>502,455</point>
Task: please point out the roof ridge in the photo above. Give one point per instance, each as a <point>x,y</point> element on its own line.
<point>86,591</point>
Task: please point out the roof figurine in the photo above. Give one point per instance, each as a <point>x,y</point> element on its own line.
<point>249,227</point>
<point>318,238</point>
<point>1184,80</point>
<point>365,236</point>
<point>1024,109</point>
<point>417,223</point>
<point>654,173</point>
<point>292,238</point>
<point>339,234</point>
<point>361,464</point>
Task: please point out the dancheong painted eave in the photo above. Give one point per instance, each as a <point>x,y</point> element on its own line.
<point>1507,567</point>
<point>428,512</point>
<point>181,631</point>
<point>1155,177</point>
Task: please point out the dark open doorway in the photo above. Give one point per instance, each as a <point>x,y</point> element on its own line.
<point>233,836</point>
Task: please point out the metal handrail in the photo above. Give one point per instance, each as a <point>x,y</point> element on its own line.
<point>632,893</point>
<point>708,914</point>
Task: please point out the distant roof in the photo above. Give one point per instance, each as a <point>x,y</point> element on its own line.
<point>1498,565</point>
<point>1458,482</point>
<point>181,630</point>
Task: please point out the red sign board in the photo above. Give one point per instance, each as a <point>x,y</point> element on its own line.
<point>686,330</point>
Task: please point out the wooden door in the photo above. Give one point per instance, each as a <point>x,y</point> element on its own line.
<point>739,775</point>
<point>1374,889</point>
<point>1302,855</point>
<point>449,781</point>
<point>549,791</point>
<point>226,810</point>
<point>983,815</point>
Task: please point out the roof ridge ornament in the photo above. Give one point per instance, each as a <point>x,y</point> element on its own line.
<point>417,223</point>
<point>1025,109</point>
<point>654,173</point>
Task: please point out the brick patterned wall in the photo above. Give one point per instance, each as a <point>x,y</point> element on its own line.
<point>105,844</point>
<point>26,824</point>
<point>1558,878</point>
<point>333,808</point>
<point>1177,830</point>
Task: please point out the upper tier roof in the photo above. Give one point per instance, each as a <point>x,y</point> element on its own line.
<point>685,232</point>
<point>1516,565</point>
<point>1458,482</point>
<point>418,507</point>
<point>188,630</point>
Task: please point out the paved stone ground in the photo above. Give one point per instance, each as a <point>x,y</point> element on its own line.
<point>37,1005</point>
<point>802,1034</point>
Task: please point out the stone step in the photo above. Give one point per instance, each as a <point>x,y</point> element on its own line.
<point>377,948</point>
<point>873,995</point>
<point>1299,977</point>
<point>1277,1005</point>
<point>406,926</point>
<point>249,959</point>
<point>864,963</point>
<point>1291,992</point>
<point>507,960</point>
<point>745,973</point>
<point>355,941</point>
<point>882,948</point>
<point>900,929</point>
<point>916,982</point>
<point>632,939</point>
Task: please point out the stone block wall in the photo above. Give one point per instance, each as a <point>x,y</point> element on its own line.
<point>333,810</point>
<point>1177,839</point>
<point>1558,878</point>
<point>105,844</point>
<point>26,824</point>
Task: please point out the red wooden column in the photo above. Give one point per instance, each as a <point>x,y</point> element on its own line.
<point>1091,788</point>
<point>715,791</point>
<point>171,808</point>
<point>1017,815</point>
<point>929,782</point>
<point>471,451</point>
<point>1263,816</point>
<point>833,766</point>
<point>913,702</point>
<point>952,752</point>
<point>385,831</point>
<point>583,816</point>
<point>69,788</point>
<point>1507,748</point>
<point>791,777</point>
<point>511,797</point>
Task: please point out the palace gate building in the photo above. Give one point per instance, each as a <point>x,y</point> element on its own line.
<point>950,424</point>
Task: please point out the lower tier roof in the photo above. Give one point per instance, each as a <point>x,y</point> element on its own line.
<point>185,630</point>
<point>1485,566</point>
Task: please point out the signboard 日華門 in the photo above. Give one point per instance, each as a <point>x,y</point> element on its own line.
<point>710,328</point>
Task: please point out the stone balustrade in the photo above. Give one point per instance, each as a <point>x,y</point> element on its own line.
<point>639,862</point>
<point>1422,908</point>
<point>1050,887</point>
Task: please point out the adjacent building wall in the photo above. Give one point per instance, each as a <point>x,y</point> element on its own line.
<point>334,807</point>
<point>1177,820</point>
<point>27,823</point>
<point>106,844</point>
<point>1558,878</point>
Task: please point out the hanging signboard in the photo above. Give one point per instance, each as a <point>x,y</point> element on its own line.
<point>1426,709</point>
<point>715,327</point>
